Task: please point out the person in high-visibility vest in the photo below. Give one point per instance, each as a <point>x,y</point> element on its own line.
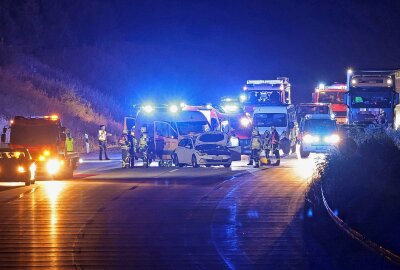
<point>275,143</point>
<point>144,146</point>
<point>256,145</point>
<point>102,137</point>
<point>69,143</point>
<point>125,145</point>
<point>133,147</point>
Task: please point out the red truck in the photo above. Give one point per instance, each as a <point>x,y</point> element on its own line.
<point>45,137</point>
<point>334,95</point>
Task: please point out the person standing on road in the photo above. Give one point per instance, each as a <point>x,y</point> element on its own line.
<point>275,139</point>
<point>102,137</point>
<point>267,145</point>
<point>125,145</point>
<point>69,143</point>
<point>144,145</point>
<point>256,145</point>
<point>133,147</point>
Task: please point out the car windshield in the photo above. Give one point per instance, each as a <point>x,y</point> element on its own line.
<point>195,127</point>
<point>270,119</point>
<point>34,135</point>
<point>331,97</point>
<point>205,147</point>
<point>371,100</point>
<point>11,154</point>
<point>320,126</point>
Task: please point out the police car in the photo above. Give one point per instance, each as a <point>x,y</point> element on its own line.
<point>318,134</point>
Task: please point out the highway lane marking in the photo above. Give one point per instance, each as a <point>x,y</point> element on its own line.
<point>174,170</point>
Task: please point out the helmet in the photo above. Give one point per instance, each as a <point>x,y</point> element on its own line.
<point>267,132</point>
<point>143,129</point>
<point>125,132</point>
<point>272,127</point>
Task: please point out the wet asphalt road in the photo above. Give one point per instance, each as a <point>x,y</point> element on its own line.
<point>162,218</point>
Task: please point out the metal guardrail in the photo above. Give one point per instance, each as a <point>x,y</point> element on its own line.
<point>389,255</point>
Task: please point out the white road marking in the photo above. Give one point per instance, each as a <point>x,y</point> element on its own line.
<point>174,170</point>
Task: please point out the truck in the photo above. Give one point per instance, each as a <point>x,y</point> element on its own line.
<point>258,93</point>
<point>45,138</point>
<point>334,95</point>
<point>372,96</point>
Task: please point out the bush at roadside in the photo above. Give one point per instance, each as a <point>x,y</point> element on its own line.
<point>364,188</point>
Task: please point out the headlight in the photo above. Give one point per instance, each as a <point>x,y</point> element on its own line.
<point>308,138</point>
<point>332,138</point>
<point>201,153</point>
<point>20,169</point>
<point>245,122</point>
<point>53,166</point>
<point>46,153</point>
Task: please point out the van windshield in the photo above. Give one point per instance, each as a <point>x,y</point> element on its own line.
<point>195,127</point>
<point>270,119</point>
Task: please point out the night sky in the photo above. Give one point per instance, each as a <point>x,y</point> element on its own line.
<point>207,46</point>
<point>198,51</point>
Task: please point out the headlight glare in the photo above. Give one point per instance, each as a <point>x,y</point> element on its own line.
<point>53,166</point>
<point>20,169</point>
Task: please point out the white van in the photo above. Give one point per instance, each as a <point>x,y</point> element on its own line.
<point>283,118</point>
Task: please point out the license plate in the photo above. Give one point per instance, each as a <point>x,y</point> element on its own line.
<point>322,148</point>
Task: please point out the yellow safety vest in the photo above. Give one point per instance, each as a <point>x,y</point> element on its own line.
<point>69,144</point>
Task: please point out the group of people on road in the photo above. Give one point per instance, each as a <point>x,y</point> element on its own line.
<point>262,146</point>
<point>128,143</point>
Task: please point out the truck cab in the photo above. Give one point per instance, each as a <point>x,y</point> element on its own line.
<point>45,137</point>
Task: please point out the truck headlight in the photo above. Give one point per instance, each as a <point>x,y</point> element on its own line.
<point>308,138</point>
<point>20,169</point>
<point>53,166</point>
<point>334,138</point>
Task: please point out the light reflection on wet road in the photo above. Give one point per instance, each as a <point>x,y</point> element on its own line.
<point>124,218</point>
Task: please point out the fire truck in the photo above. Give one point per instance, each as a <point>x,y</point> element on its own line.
<point>258,93</point>
<point>372,96</point>
<point>334,95</point>
<point>45,138</point>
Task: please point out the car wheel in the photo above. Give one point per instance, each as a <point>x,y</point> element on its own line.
<point>176,161</point>
<point>228,165</point>
<point>194,162</point>
<point>303,154</point>
<point>285,146</point>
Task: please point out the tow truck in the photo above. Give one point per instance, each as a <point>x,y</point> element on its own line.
<point>44,137</point>
<point>372,97</point>
<point>334,95</point>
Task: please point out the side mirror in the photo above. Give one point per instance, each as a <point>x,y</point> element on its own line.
<point>4,130</point>
<point>63,129</point>
<point>291,125</point>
